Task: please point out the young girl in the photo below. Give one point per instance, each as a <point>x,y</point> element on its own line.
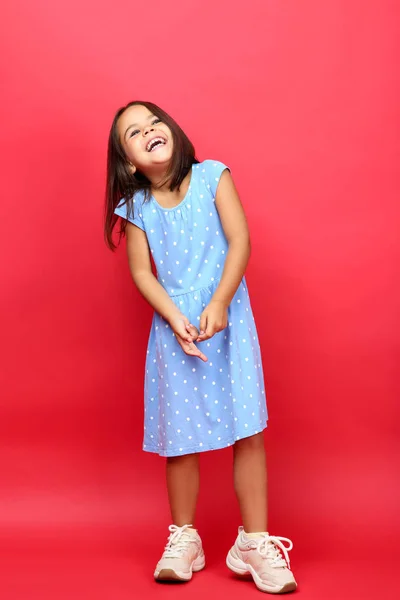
<point>204,387</point>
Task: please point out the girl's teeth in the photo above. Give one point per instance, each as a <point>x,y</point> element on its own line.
<point>151,145</point>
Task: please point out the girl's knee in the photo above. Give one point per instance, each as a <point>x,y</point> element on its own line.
<point>181,459</point>
<point>253,442</point>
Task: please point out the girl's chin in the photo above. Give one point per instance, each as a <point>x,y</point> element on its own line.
<point>159,158</point>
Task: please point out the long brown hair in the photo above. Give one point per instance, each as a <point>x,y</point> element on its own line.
<point>120,181</point>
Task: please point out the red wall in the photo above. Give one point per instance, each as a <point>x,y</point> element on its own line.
<point>301,100</point>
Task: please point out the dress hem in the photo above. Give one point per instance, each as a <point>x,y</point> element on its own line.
<point>205,447</point>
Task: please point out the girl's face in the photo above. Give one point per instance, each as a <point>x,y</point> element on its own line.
<point>147,141</point>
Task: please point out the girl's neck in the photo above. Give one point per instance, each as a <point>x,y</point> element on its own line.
<point>168,198</point>
<point>158,179</point>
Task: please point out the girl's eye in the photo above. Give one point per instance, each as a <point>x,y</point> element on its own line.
<point>135,132</point>
<point>156,121</point>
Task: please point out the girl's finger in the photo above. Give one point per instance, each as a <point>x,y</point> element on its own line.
<point>206,335</point>
<point>202,356</point>
<point>199,354</point>
<point>193,331</point>
<point>192,350</point>
<point>184,336</point>
<point>203,323</point>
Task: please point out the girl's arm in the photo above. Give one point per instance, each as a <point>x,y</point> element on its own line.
<point>140,267</point>
<point>215,316</point>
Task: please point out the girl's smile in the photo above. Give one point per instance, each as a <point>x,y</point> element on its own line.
<point>155,143</point>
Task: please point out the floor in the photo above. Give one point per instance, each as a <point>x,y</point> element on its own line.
<point>120,566</point>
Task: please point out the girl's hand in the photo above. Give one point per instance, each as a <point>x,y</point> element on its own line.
<point>185,333</point>
<point>214,318</point>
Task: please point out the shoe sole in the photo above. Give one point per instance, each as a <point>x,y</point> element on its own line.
<point>171,575</point>
<point>240,568</point>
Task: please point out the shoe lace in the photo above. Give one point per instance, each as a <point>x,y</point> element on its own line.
<point>271,546</point>
<point>177,541</point>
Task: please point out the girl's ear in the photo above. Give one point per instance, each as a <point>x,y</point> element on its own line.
<point>131,168</point>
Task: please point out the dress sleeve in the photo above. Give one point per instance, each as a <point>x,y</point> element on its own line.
<point>214,170</point>
<point>135,215</point>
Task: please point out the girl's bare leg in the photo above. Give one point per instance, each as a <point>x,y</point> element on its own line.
<point>183,481</point>
<point>250,480</point>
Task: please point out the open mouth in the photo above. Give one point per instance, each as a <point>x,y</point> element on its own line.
<point>155,143</point>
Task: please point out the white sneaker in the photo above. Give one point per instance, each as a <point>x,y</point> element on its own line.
<point>261,557</point>
<point>182,556</point>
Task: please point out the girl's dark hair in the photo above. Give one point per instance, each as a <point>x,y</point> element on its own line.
<point>120,181</point>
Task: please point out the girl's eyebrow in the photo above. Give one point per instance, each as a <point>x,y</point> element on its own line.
<point>136,125</point>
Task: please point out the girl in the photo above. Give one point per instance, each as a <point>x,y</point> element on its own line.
<point>204,387</point>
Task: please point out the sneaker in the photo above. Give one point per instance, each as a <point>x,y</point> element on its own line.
<point>261,556</point>
<point>182,556</point>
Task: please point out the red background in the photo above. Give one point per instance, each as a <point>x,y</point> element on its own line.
<point>301,100</point>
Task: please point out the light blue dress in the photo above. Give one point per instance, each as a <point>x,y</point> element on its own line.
<point>191,405</point>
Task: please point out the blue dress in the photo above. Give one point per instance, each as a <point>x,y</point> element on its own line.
<point>190,405</point>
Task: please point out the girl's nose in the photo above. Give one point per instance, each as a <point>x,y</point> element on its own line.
<point>148,129</point>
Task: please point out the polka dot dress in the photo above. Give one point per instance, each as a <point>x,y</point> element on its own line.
<point>192,406</point>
